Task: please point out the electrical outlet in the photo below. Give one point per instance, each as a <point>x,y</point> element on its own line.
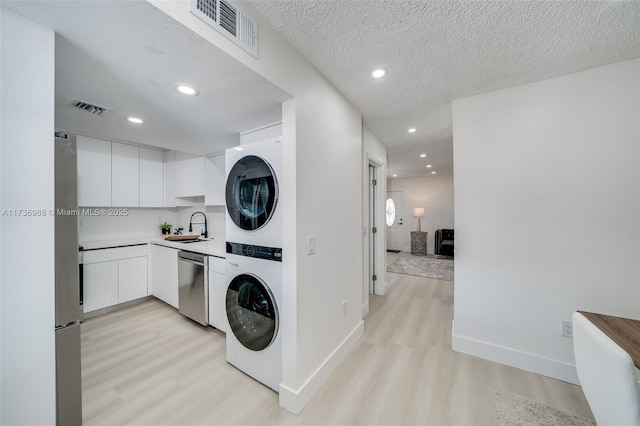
<point>567,328</point>
<point>344,309</point>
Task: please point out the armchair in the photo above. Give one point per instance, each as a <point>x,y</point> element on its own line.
<point>444,242</point>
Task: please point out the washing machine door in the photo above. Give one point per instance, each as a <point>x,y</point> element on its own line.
<point>252,312</point>
<point>251,193</point>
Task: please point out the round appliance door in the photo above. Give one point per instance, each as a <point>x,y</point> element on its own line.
<point>252,312</point>
<point>251,193</point>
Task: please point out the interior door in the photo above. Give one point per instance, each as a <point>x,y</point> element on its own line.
<point>372,224</point>
<point>394,220</point>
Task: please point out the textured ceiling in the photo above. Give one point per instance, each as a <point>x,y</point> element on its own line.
<point>128,56</point>
<point>438,51</point>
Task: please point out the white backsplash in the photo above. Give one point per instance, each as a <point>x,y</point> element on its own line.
<point>144,222</point>
<point>138,222</point>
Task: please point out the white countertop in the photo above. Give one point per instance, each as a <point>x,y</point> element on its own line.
<point>209,247</point>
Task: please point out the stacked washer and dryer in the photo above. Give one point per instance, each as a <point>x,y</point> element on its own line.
<point>254,260</point>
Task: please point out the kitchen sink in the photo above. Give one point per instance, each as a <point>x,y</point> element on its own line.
<point>199,240</point>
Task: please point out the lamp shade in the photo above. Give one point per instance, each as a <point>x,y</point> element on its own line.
<point>418,212</point>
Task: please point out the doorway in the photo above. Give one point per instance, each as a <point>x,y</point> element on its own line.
<point>374,239</point>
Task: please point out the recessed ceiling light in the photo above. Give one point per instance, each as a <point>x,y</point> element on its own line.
<point>186,89</point>
<point>433,173</point>
<point>412,130</point>
<point>428,166</point>
<point>395,175</point>
<point>135,120</point>
<point>423,155</point>
<point>379,73</point>
<point>238,148</point>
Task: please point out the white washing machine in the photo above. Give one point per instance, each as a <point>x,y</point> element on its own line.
<point>253,300</point>
<point>252,194</point>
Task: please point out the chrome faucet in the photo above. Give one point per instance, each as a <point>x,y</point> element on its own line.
<point>205,234</point>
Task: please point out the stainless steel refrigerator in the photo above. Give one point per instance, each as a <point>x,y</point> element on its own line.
<point>67,282</point>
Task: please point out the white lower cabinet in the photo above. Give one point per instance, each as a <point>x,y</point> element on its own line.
<point>218,294</point>
<point>114,275</point>
<point>132,279</point>
<point>100,285</point>
<point>163,274</point>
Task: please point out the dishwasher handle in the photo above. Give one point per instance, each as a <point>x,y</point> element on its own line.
<point>191,257</point>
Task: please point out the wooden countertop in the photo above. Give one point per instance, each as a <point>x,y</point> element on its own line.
<point>624,332</point>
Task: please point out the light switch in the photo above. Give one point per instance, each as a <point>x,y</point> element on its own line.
<point>312,245</point>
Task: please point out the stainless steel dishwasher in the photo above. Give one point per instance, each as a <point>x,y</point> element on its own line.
<point>193,291</point>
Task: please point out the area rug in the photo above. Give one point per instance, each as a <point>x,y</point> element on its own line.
<point>423,266</point>
<point>516,410</point>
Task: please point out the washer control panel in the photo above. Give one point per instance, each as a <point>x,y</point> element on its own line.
<point>259,252</point>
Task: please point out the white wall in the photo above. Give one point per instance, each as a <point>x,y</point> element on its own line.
<point>435,195</point>
<point>547,208</point>
<point>27,373</point>
<point>374,152</point>
<point>322,150</point>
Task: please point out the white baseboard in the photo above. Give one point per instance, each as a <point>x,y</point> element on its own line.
<point>523,360</point>
<point>296,400</point>
<point>365,308</point>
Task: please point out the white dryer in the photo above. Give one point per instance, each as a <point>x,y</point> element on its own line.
<point>252,194</point>
<point>253,300</point>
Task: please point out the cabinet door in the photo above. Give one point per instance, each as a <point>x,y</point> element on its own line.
<point>132,279</point>
<point>214,181</point>
<point>218,295</point>
<point>151,178</point>
<point>272,132</point>
<point>125,175</point>
<point>100,285</point>
<point>189,175</point>
<point>170,179</point>
<point>94,172</point>
<point>163,274</point>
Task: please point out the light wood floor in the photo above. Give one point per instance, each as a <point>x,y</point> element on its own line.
<point>148,365</point>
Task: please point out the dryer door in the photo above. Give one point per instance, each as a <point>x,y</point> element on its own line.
<point>251,193</point>
<point>252,312</point>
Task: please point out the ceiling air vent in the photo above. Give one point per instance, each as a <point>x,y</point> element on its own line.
<point>228,17</point>
<point>225,18</point>
<point>93,109</point>
<point>208,8</point>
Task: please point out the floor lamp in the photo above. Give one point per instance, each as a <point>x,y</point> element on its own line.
<point>419,213</point>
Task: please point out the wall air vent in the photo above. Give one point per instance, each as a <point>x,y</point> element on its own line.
<point>92,108</point>
<point>225,18</point>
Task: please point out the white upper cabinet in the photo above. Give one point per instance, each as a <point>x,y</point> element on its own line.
<point>94,172</point>
<point>189,175</point>
<point>269,133</point>
<point>169,179</point>
<point>151,178</point>
<point>125,175</point>
<point>214,181</point>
